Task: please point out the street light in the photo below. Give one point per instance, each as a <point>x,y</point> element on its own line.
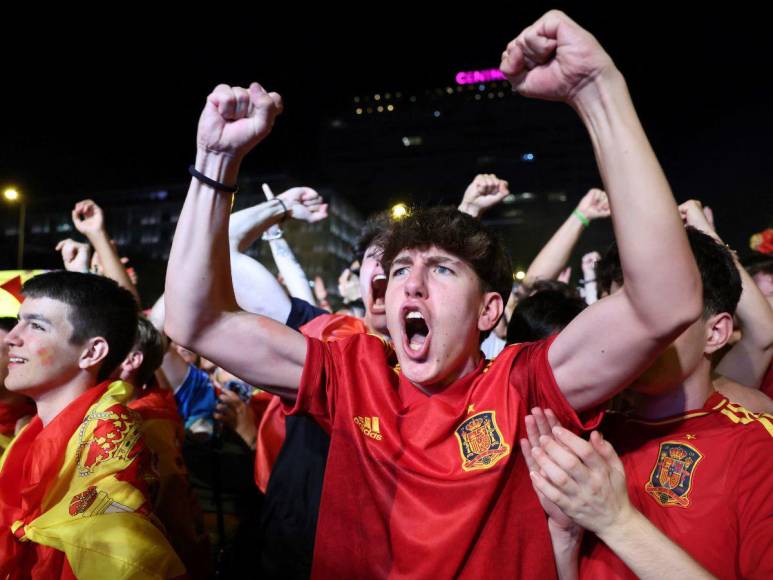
<point>12,195</point>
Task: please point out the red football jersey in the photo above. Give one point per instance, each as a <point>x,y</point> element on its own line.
<point>422,486</point>
<point>271,422</point>
<point>705,479</point>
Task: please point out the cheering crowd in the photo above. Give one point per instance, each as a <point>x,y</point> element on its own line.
<point>442,423</point>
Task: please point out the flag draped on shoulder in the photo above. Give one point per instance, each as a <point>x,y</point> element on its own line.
<point>75,496</point>
<point>175,503</point>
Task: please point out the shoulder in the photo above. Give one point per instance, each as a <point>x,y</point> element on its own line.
<point>362,345</point>
<point>350,351</point>
<point>331,327</point>
<point>745,422</point>
<point>524,358</point>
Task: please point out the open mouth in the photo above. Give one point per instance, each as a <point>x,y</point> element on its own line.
<point>377,292</point>
<point>416,333</point>
<point>16,360</point>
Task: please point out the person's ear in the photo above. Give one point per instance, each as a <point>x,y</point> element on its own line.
<point>491,310</point>
<point>94,352</point>
<point>719,329</point>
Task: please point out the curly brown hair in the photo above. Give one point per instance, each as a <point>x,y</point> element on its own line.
<point>459,234</point>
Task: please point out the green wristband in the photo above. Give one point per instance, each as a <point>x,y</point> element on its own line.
<point>581,216</point>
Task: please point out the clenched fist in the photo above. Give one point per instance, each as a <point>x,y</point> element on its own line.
<point>554,59</point>
<point>236,119</point>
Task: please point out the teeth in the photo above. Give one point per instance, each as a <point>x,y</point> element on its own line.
<point>414,314</point>
<point>15,359</point>
<point>379,277</point>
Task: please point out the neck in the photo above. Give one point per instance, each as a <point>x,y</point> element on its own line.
<point>371,328</point>
<point>378,333</point>
<point>468,365</point>
<point>53,401</point>
<point>689,395</point>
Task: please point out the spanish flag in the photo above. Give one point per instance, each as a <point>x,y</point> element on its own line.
<point>10,413</point>
<point>175,503</point>
<point>75,496</point>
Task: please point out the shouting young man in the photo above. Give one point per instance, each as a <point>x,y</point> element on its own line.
<point>422,477</point>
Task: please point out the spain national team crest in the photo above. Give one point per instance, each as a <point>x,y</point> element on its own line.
<point>671,478</point>
<point>480,441</point>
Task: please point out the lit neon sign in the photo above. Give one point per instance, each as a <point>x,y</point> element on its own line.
<point>479,76</point>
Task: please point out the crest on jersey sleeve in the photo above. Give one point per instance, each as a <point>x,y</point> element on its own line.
<point>672,476</point>
<point>480,441</point>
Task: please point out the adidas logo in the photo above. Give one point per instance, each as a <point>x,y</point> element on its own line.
<point>369,427</point>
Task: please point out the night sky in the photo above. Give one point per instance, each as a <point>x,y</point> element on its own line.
<point>108,108</point>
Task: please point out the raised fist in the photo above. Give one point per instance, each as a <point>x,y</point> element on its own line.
<point>554,59</point>
<point>75,255</point>
<point>485,191</point>
<point>594,204</point>
<point>236,119</point>
<point>304,204</point>
<point>701,218</point>
<point>87,217</point>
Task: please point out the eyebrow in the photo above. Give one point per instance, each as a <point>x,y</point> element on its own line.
<point>33,316</point>
<point>404,260</point>
<point>433,260</point>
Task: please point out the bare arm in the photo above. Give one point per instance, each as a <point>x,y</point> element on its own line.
<point>614,340</point>
<point>292,272</point>
<point>201,308</point>
<point>257,290</point>
<point>90,221</point>
<point>554,255</point>
<point>748,359</point>
<point>246,225</point>
<point>173,369</point>
<point>303,203</point>
<point>586,480</point>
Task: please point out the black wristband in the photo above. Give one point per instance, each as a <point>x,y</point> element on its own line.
<point>284,207</point>
<point>211,182</point>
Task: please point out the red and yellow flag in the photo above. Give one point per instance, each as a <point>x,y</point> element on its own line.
<point>175,503</point>
<point>75,496</point>
<point>10,413</point>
